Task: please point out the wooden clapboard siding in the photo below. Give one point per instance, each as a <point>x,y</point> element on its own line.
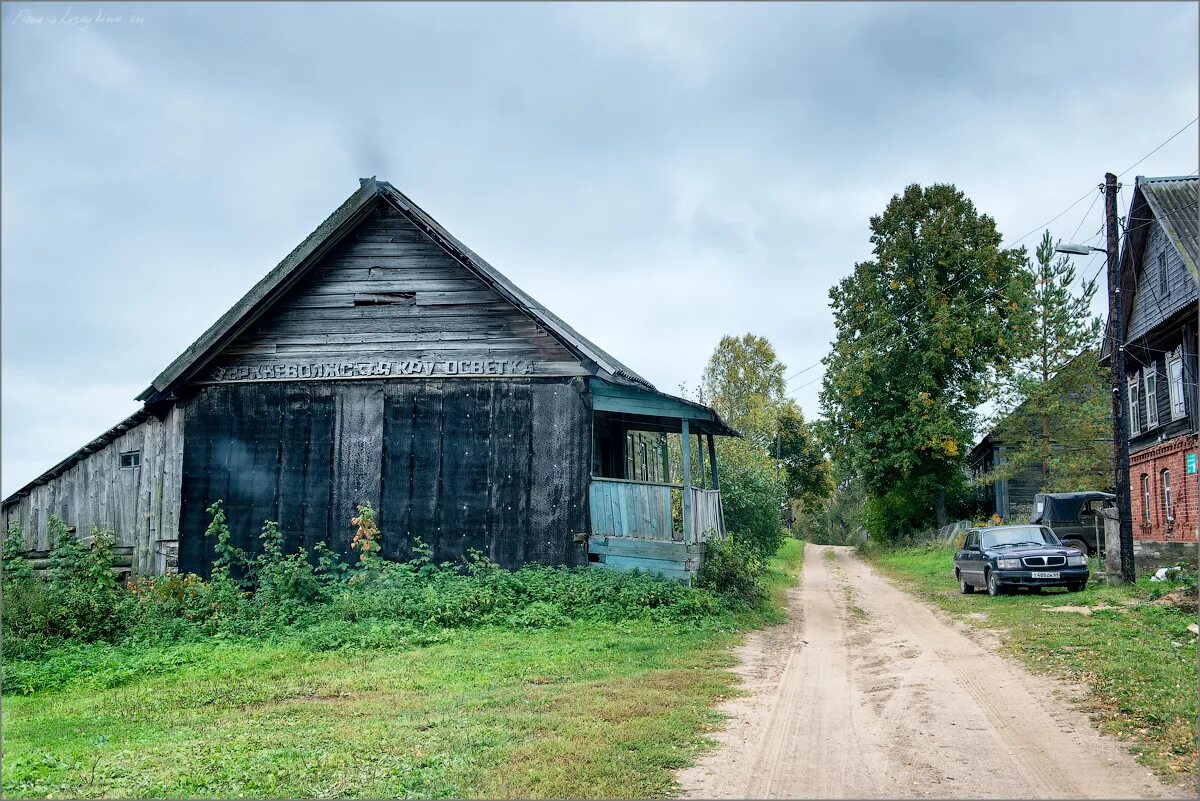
<point>437,309</point>
<point>139,505</point>
<point>494,465</point>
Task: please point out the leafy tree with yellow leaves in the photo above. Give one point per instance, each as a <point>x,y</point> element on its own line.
<point>921,328</point>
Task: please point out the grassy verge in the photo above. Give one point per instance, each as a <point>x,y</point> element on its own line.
<point>1137,659</point>
<point>585,710</point>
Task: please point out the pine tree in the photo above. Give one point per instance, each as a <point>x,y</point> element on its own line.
<point>1054,405</point>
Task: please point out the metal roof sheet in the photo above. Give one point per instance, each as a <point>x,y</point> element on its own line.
<point>1174,202</point>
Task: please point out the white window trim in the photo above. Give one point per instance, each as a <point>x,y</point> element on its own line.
<point>1134,412</point>
<point>1166,486</point>
<point>1150,390</point>
<point>1175,390</point>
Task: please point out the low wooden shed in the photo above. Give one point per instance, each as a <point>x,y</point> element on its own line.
<point>383,361</point>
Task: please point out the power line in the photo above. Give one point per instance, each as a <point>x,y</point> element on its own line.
<point>966,275</point>
<point>1160,147</point>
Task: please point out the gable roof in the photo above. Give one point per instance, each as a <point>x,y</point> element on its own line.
<point>1171,202</point>
<point>1174,203</point>
<point>344,219</point>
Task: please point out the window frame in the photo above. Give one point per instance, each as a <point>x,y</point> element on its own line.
<point>1166,487</point>
<point>1175,388</point>
<point>1134,411</point>
<point>1150,389</point>
<point>1164,283</point>
<point>135,458</point>
<point>1146,497</point>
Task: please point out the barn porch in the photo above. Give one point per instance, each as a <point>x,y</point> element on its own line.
<point>655,490</point>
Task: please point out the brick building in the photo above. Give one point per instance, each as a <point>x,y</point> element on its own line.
<point>1159,258</point>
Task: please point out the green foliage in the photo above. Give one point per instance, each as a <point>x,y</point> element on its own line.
<point>751,496</point>
<point>921,327</point>
<point>807,471</point>
<point>78,599</point>
<point>1054,407</point>
<point>282,594</point>
<point>744,383</point>
<point>733,569</point>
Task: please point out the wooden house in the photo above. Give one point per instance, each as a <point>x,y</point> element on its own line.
<point>1160,253</point>
<point>383,361</point>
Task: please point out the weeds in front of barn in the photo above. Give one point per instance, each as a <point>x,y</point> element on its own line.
<point>1131,651</point>
<point>295,677</point>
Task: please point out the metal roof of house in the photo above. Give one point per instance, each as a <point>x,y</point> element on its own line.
<point>1174,203</point>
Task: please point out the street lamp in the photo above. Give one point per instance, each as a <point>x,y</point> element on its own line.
<point>1078,250</point>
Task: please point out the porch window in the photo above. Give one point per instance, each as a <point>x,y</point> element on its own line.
<point>1166,483</point>
<point>1150,378</point>
<point>1135,406</point>
<point>1175,384</point>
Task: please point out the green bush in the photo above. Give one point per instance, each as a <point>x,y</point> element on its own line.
<point>752,500</point>
<point>733,569</point>
<point>322,603</point>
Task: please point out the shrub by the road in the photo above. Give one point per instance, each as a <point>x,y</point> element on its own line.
<point>58,628</point>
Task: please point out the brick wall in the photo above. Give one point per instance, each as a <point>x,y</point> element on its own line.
<point>1152,522</point>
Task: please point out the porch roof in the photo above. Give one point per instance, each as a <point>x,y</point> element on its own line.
<point>650,410</point>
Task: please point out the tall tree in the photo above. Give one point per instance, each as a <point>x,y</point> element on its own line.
<point>1050,416</point>
<point>744,383</point>
<point>806,469</point>
<point>919,329</point>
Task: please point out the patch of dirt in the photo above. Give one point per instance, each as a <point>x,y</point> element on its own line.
<point>893,700</point>
<point>1183,599</point>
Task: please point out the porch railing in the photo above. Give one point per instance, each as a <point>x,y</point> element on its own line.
<point>625,508</point>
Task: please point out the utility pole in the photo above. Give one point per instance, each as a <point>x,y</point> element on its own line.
<point>1117,349</point>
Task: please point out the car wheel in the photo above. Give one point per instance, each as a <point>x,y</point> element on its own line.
<point>965,588</point>
<point>993,585</point>
<point>1076,586</point>
<point>1080,544</point>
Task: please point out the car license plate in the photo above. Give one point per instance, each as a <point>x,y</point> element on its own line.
<point>1037,574</point>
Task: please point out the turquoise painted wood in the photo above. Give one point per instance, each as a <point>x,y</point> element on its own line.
<point>631,400</point>
<point>630,509</point>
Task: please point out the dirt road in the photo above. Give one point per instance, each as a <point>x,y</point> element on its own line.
<point>867,693</point>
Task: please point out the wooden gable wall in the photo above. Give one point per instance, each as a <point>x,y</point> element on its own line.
<point>388,302</point>
<point>1150,306</point>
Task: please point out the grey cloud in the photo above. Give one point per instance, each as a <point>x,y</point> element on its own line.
<point>659,175</point>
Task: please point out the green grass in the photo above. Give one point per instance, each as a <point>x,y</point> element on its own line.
<point>586,710</point>
<point>1138,662</point>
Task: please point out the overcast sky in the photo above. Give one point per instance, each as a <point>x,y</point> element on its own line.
<point>658,175</point>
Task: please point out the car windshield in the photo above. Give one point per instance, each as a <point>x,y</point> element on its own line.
<point>1018,535</point>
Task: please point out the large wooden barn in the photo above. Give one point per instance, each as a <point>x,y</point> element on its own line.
<point>383,361</point>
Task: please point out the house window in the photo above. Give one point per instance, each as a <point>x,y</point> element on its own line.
<point>131,460</point>
<point>1175,384</point>
<point>1135,406</point>
<point>1146,497</point>
<point>645,461</point>
<point>1166,482</point>
<point>1150,378</point>
<point>1164,287</point>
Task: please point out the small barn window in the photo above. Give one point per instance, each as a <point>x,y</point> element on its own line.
<point>1164,286</point>
<point>1150,379</point>
<point>131,460</point>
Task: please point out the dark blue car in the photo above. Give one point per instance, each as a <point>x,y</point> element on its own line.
<point>1004,557</point>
